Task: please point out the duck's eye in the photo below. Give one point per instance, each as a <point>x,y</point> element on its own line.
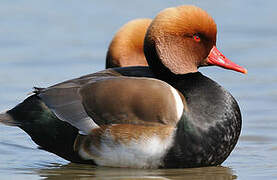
<point>196,38</point>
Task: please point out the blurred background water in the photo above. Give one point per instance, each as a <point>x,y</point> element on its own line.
<point>45,42</point>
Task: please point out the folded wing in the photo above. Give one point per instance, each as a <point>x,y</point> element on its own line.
<point>107,98</point>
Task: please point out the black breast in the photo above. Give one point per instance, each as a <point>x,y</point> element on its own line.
<point>209,130</point>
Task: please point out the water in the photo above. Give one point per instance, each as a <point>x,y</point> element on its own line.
<point>45,42</point>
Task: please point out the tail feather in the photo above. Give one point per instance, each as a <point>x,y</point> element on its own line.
<point>45,129</point>
<point>7,119</point>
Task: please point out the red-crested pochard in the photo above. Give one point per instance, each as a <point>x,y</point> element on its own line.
<point>167,115</point>
<point>126,48</point>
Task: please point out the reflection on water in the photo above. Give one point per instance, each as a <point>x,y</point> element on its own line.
<point>45,42</point>
<point>84,172</point>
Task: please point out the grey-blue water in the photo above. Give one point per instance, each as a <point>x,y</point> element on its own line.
<point>45,42</point>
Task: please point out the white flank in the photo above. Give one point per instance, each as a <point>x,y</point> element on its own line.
<point>146,152</point>
<point>84,154</point>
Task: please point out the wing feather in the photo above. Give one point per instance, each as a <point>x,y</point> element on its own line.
<point>105,98</point>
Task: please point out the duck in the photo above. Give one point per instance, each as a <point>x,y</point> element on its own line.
<point>126,48</point>
<point>167,115</point>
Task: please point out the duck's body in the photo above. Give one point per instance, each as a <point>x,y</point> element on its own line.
<point>165,115</point>
<point>205,135</point>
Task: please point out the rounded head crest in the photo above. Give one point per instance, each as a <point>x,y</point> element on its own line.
<point>181,37</point>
